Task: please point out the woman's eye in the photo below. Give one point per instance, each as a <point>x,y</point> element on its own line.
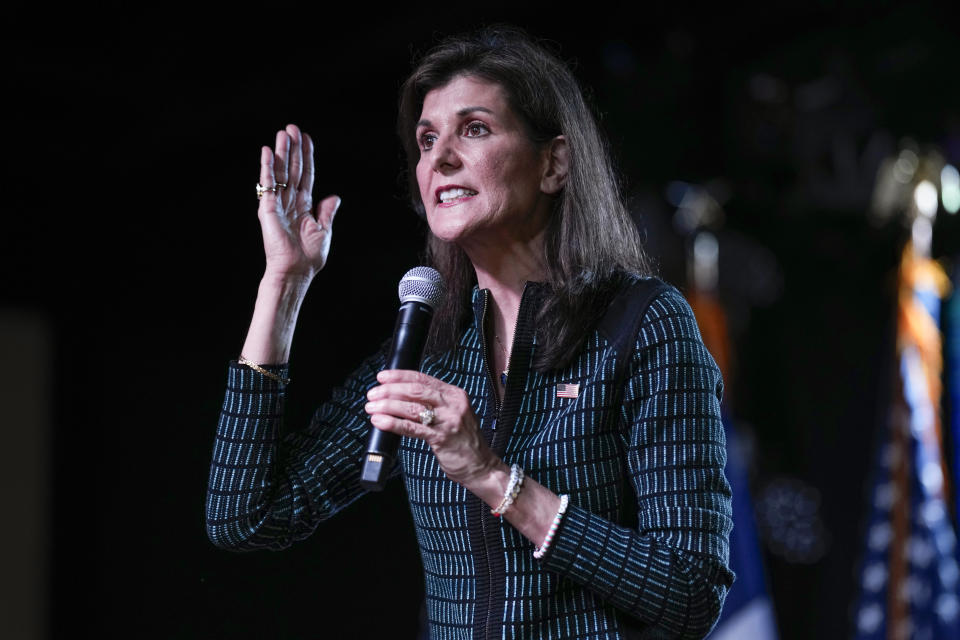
<point>427,140</point>
<point>475,129</point>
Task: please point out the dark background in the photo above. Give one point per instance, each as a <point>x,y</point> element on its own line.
<point>131,227</point>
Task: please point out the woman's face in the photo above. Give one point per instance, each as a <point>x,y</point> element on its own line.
<point>479,175</point>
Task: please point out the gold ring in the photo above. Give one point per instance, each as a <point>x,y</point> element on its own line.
<point>262,190</point>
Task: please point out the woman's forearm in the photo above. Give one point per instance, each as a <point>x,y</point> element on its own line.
<point>532,512</point>
<point>274,319</point>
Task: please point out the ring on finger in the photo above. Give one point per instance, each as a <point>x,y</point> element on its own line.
<point>281,185</point>
<point>427,417</point>
<point>262,190</point>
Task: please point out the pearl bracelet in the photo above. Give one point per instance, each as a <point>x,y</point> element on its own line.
<point>513,490</point>
<point>542,549</point>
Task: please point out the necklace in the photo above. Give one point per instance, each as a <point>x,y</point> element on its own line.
<point>503,376</point>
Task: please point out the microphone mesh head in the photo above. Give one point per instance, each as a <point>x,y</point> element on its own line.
<point>422,284</point>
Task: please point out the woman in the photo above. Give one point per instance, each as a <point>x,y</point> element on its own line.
<point>563,391</point>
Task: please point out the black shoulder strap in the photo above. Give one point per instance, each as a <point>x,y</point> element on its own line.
<point>621,322</point>
<point>620,325</point>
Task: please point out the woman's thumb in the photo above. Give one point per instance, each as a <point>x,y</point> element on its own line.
<point>327,210</point>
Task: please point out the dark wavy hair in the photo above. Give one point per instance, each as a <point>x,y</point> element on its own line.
<point>591,243</point>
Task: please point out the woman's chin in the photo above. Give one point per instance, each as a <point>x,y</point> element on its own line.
<point>454,233</point>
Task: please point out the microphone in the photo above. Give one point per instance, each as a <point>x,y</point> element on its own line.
<point>421,291</point>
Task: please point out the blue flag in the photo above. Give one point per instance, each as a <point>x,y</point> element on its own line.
<point>748,610</point>
<point>909,576</point>
<point>951,324</point>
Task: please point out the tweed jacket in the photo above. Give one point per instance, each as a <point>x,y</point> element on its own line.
<point>642,550</point>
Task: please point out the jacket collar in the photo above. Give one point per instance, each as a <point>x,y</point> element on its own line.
<point>533,293</point>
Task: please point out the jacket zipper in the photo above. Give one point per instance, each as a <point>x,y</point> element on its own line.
<point>486,359</point>
<point>496,404</point>
<point>496,417</point>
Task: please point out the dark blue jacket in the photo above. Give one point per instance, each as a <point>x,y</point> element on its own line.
<point>642,550</point>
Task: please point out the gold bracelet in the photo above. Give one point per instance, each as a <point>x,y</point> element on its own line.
<point>262,371</point>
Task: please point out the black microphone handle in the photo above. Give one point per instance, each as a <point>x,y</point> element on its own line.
<point>406,351</point>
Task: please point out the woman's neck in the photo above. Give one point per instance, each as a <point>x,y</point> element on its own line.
<point>504,268</point>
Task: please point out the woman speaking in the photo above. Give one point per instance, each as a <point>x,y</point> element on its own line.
<point>561,445</point>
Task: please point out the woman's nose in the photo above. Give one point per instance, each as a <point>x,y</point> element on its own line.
<point>445,156</point>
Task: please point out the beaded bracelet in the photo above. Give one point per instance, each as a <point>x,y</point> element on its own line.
<point>513,490</point>
<point>542,549</point>
<point>262,371</point>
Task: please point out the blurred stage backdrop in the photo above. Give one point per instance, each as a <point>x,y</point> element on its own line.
<point>777,163</point>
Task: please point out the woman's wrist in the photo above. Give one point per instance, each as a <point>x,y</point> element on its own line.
<point>490,484</point>
<point>274,318</point>
<point>284,284</point>
<point>532,509</point>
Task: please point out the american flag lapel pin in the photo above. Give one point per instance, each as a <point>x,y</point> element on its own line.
<point>568,390</point>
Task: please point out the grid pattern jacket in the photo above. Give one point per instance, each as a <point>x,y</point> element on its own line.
<point>642,550</point>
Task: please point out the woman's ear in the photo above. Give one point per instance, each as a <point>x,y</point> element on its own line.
<point>558,165</point>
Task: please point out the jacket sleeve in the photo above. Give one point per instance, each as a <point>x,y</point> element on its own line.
<point>265,492</point>
<point>671,571</point>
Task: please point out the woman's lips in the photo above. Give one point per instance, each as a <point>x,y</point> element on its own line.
<point>449,195</point>
<point>455,202</point>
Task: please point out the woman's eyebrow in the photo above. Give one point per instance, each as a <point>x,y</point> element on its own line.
<point>467,110</point>
<point>460,113</point>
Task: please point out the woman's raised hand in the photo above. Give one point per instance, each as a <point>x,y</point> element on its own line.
<point>295,242</point>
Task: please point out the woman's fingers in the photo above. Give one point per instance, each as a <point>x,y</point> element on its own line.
<point>281,157</point>
<point>306,179</point>
<point>400,426</point>
<point>304,202</point>
<point>267,179</point>
<point>295,158</point>
<point>404,395</point>
<point>406,375</point>
<point>412,386</point>
<point>400,417</point>
<point>294,239</point>
<point>266,167</point>
<point>427,396</point>
<point>399,408</point>
<point>453,433</point>
<point>289,167</point>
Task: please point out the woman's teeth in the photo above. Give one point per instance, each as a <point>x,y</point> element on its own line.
<point>452,194</point>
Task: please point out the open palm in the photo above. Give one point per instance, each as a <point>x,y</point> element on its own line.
<point>295,243</point>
